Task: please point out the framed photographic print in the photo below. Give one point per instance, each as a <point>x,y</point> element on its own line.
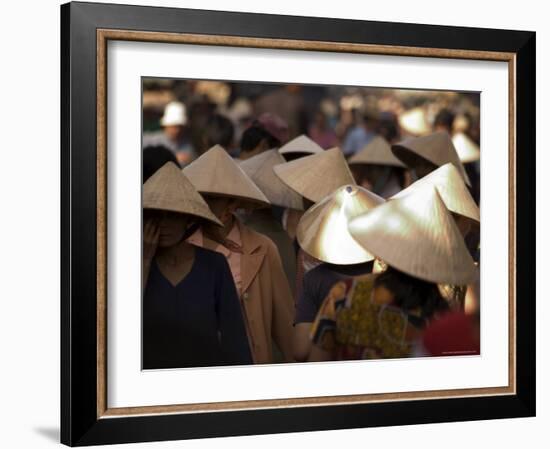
<point>282,224</point>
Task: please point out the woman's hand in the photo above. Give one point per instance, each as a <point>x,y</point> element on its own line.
<point>151,232</point>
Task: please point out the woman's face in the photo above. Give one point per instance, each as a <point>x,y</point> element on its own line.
<point>172,226</point>
<point>223,208</point>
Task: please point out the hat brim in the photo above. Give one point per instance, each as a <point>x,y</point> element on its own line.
<point>248,203</point>
<point>410,158</point>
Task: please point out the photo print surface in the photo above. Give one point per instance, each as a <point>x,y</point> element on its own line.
<point>294,223</point>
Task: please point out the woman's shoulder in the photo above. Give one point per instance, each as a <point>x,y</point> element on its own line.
<point>209,256</point>
<point>253,239</point>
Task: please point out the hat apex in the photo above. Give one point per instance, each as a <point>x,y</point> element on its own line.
<point>323,230</point>
<point>216,173</point>
<point>168,189</point>
<point>301,144</point>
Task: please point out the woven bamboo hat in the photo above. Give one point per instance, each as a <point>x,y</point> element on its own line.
<point>467,149</point>
<point>316,176</point>
<point>301,144</point>
<point>323,230</point>
<point>377,151</point>
<point>436,148</point>
<point>415,121</point>
<point>168,189</point>
<point>216,173</point>
<point>416,234</point>
<point>260,169</point>
<point>451,188</point>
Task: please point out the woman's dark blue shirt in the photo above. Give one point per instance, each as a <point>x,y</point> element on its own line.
<point>198,322</point>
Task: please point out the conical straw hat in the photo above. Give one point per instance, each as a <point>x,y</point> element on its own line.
<point>323,230</point>
<point>467,149</point>
<point>301,144</point>
<point>451,188</point>
<point>414,121</point>
<point>377,151</point>
<point>260,169</point>
<point>216,173</point>
<point>168,189</point>
<point>436,148</point>
<point>316,176</point>
<point>416,234</point>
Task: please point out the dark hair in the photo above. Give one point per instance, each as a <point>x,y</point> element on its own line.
<point>219,130</point>
<point>378,175</point>
<point>411,293</point>
<point>388,128</point>
<point>444,118</point>
<point>253,136</point>
<point>154,157</point>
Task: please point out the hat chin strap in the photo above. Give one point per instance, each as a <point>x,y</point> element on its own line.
<point>191,229</point>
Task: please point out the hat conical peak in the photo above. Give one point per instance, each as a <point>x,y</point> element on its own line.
<point>168,189</point>
<point>323,230</point>
<point>377,151</point>
<point>452,189</point>
<point>316,176</point>
<point>260,169</point>
<point>417,235</point>
<point>216,173</point>
<point>301,144</point>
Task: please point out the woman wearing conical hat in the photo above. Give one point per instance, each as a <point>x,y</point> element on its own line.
<point>283,199</point>
<point>255,263</point>
<point>323,234</point>
<point>383,315</point>
<point>313,178</point>
<point>191,312</point>
<point>299,147</point>
<point>377,169</point>
<point>464,210</point>
<point>425,154</point>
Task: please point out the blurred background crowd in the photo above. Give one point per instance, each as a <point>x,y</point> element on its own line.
<point>205,113</point>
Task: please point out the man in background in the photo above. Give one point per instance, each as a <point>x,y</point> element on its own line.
<point>173,134</point>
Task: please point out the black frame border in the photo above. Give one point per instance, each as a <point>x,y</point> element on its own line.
<point>79,422</point>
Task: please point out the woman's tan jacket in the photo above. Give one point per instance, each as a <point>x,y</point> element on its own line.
<point>267,301</point>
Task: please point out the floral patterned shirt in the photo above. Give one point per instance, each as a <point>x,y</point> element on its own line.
<point>351,326</point>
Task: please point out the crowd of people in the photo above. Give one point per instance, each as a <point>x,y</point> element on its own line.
<point>269,238</point>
